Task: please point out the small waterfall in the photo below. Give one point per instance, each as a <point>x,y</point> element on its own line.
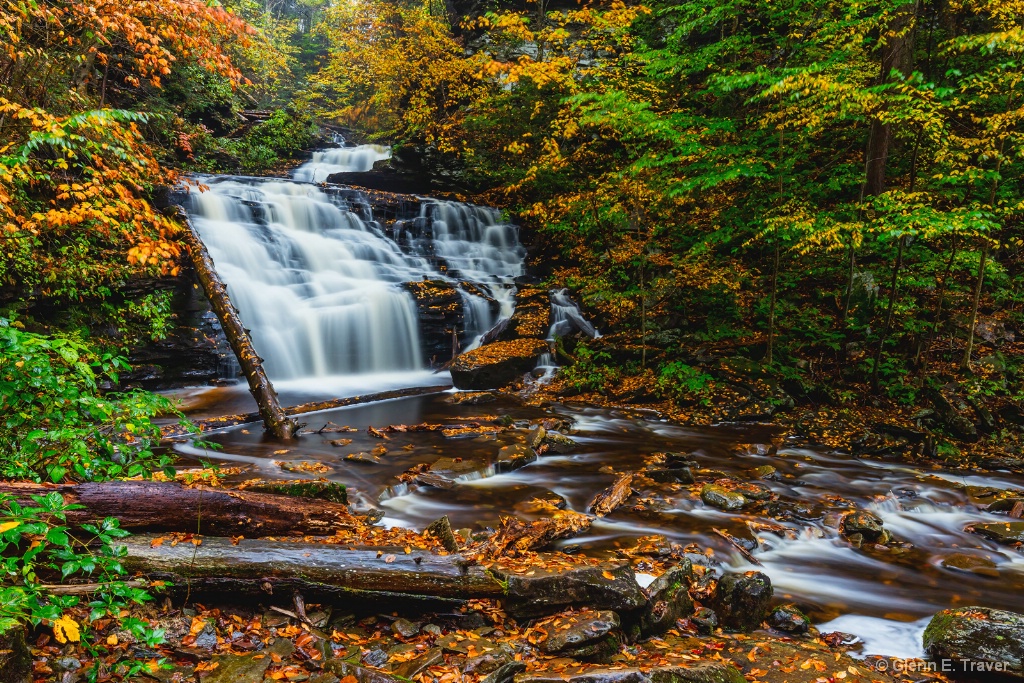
<point>319,282</point>
<point>566,318</point>
<point>341,160</point>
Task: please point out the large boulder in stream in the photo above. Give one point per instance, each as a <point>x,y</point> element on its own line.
<point>496,365</point>
<point>977,641</point>
<point>742,600</point>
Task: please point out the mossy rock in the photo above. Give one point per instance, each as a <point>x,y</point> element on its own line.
<point>978,639</point>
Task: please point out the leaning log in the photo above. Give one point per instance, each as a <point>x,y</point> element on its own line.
<point>274,418</point>
<point>167,507</point>
<point>609,500</point>
<point>255,569</point>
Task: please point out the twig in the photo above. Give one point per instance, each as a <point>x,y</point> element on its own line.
<point>735,544</point>
<point>87,588</point>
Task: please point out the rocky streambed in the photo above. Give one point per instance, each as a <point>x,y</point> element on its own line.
<point>818,542</point>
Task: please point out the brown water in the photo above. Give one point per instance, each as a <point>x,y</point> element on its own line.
<point>880,595</point>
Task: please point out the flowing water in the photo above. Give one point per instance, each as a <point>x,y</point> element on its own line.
<point>318,282</point>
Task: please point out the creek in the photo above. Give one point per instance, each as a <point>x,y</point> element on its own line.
<point>318,281</point>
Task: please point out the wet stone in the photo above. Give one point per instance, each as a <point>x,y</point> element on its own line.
<point>409,669</point>
<point>973,637</point>
<point>742,600</point>
<point>705,620</point>
<point>505,673</point>
<point>486,663</point>
<point>670,599</point>
<point>405,628</point>
<point>867,525</point>
<point>722,498</point>
<point>536,436</point>
<point>573,632</point>
<point>706,672</point>
<point>972,564</point>
<point>1005,504</point>
<point>765,472</point>
<point>376,657</point>
<point>513,457</point>
<point>789,619</point>
<point>1006,533</point>
<point>207,638</point>
<point>670,475</point>
<point>559,443</point>
<point>363,458</point>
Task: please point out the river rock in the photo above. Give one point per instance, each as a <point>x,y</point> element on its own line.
<point>705,620</point>
<point>765,472</point>
<point>505,673</point>
<point>670,599</point>
<point>722,498</point>
<point>496,365</point>
<point>867,525</point>
<point>973,564</point>
<point>1007,533</point>
<point>405,628</point>
<point>582,636</point>
<point>251,667</point>
<point>670,475</point>
<point>742,600</point>
<point>486,663</point>
<point>409,669</point>
<point>1004,504</point>
<point>536,436</point>
<point>513,457</point>
<point>549,590</point>
<point>363,458</point>
<point>343,669</point>
<point>558,443</point>
<point>978,640</point>
<point>789,619</point>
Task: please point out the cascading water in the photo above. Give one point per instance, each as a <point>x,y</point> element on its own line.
<point>318,281</point>
<point>566,318</point>
<point>341,160</point>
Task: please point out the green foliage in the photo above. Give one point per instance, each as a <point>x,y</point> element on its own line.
<point>591,370</point>
<point>684,382</point>
<point>58,424</point>
<point>37,548</point>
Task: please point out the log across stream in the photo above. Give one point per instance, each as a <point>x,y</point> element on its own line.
<point>882,594</point>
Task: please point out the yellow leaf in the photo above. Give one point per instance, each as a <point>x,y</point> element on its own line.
<point>112,639</point>
<point>7,526</point>
<point>66,630</point>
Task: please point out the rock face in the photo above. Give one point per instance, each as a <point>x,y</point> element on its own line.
<point>742,600</point>
<point>441,316</point>
<point>531,319</point>
<point>496,365</point>
<point>978,640</point>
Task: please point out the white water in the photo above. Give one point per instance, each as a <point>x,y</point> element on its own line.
<point>318,281</point>
<point>341,160</point>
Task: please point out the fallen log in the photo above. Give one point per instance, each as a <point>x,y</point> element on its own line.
<point>256,569</point>
<point>166,506</point>
<point>515,536</point>
<point>607,501</point>
<point>175,430</point>
<point>274,419</point>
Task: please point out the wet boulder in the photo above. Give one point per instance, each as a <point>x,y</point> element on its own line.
<point>978,640</point>
<point>972,564</point>
<point>554,442</point>
<point>789,619</point>
<point>866,525</point>
<point>496,365</point>
<point>705,620</point>
<point>670,600</point>
<point>585,635</point>
<point>543,591</point>
<point>722,498</point>
<point>1006,533</point>
<point>742,600</point>
<point>513,457</point>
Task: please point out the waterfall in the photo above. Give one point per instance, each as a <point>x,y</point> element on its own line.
<point>341,160</point>
<point>318,281</point>
<point>566,318</point>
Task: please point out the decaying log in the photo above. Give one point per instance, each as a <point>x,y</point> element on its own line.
<point>166,506</point>
<point>173,431</point>
<point>607,501</point>
<point>274,418</point>
<point>515,536</point>
<point>256,569</point>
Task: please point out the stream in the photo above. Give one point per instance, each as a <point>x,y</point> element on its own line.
<point>317,280</point>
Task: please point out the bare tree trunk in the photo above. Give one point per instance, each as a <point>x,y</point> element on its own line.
<point>893,290</point>
<point>965,363</point>
<point>274,418</point>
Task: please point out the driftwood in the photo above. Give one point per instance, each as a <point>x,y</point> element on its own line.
<point>165,506</point>
<point>515,536</point>
<point>736,544</point>
<point>607,501</point>
<point>256,569</point>
<point>172,431</point>
<point>274,418</point>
